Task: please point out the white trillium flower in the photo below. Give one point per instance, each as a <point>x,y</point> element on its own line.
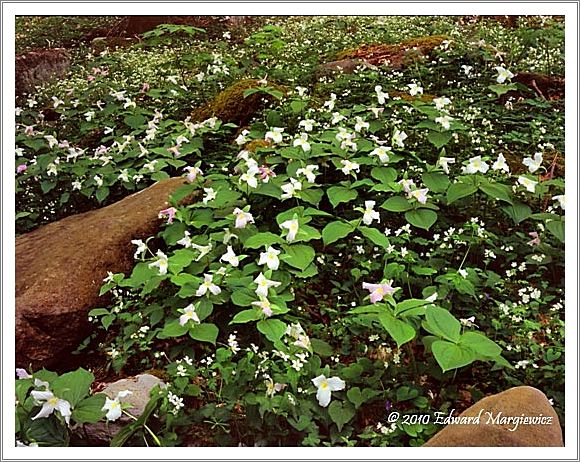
<point>561,198</point>
<point>466,69</point>
<point>444,121</point>
<point>274,135</point>
<point>399,137</point>
<point>189,313</point>
<point>242,218</point>
<point>337,117</point>
<point>186,240</point>
<point>476,165</point>
<point>349,166</point>
<point>210,195</point>
<point>370,214</point>
<point>503,74</point>
<point>50,403</point>
<point>530,185</point>
<point>290,188</point>
<point>292,227</point>
<point>141,247</point>
<point>114,407</point>
<point>206,285</point>
<point>308,172</point>
<point>444,162</point>
<point>270,258</point>
<point>161,262</point>
<point>242,137</point>
<point>325,387</point>
<point>307,124</point>
<point>415,89</point>
<point>501,164</point>
<point>441,102</point>
<point>302,141</point>
<point>360,124</point>
<point>264,285</point>
<point>265,306</point>
<point>420,195</point>
<point>203,250</point>
<point>382,153</point>
<point>534,163</point>
<point>250,179</point>
<point>230,257</point>
<point>463,273</point>
<point>406,184</point>
<point>381,95</point>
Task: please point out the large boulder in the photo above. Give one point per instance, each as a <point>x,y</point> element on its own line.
<point>490,423</point>
<point>40,66</point>
<point>60,268</point>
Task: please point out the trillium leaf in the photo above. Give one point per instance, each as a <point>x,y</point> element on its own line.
<point>243,297</point>
<point>321,348</point>
<point>273,329</point>
<point>436,182</point>
<point>375,236</point>
<point>298,255</point>
<point>557,228</point>
<point>497,191</point>
<point>89,410</point>
<point>401,331</point>
<point>341,413</point>
<point>384,174</point>
<point>518,211</point>
<point>204,332</point>
<point>338,194</point>
<point>440,322</point>
<point>73,386</point>
<point>459,190</point>
<point>480,344</point>
<point>336,230</point>
<point>173,329</point>
<point>421,218</point>
<point>439,139</point>
<point>406,305</point>
<point>452,356</point>
<point>397,204</point>
<point>246,316</point>
<point>262,240</point>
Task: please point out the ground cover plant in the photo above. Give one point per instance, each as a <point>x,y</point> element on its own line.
<point>387,239</point>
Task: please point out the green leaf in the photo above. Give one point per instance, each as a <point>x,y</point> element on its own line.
<point>243,297</point>
<point>336,230</point>
<point>338,194</point>
<point>273,329</point>
<point>127,431</point>
<point>452,356</point>
<point>384,174</point>
<point>298,255</point>
<point>502,89</point>
<point>401,331</point>
<point>89,410</point>
<point>480,344</point>
<point>321,348</point>
<point>262,240</point>
<point>436,182</point>
<point>557,228</point>
<point>135,121</point>
<point>518,211</point>
<point>73,386</point>
<point>458,190</point>
<point>496,191</point>
<point>47,432</point>
<point>341,413</point>
<point>440,322</point>
<point>375,236</point>
<point>355,396</point>
<point>246,316</point>
<point>397,204</point>
<point>312,196</point>
<point>421,218</point>
<point>204,332</point>
<point>409,304</point>
<point>439,139</point>
<point>173,329</point>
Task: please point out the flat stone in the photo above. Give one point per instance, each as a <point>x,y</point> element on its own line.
<point>490,428</point>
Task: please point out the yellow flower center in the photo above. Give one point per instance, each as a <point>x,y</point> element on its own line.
<point>53,401</point>
<point>324,385</point>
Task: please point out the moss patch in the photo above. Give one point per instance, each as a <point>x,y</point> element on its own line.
<point>396,55</point>
<point>230,105</point>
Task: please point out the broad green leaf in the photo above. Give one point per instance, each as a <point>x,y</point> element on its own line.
<point>173,329</point>
<point>459,190</point>
<point>89,410</point>
<point>452,356</point>
<point>205,332</point>
<point>480,344</point>
<point>421,218</point>
<point>341,413</point>
<point>409,304</point>
<point>497,191</point>
<point>73,386</point>
<point>439,139</point>
<point>298,255</point>
<point>557,228</point>
<point>384,174</point>
<point>436,182</point>
<point>396,204</point>
<point>375,236</point>
<point>135,121</point>
<point>246,316</point>
<point>262,240</point>
<point>273,329</point>
<point>338,194</point>
<point>401,331</point>
<point>502,89</point>
<point>336,230</point>
<point>243,297</point>
<point>518,211</point>
<point>440,322</point>
<point>321,348</point>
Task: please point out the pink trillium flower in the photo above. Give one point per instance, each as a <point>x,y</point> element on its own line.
<point>145,88</point>
<point>169,213</point>
<point>21,168</point>
<point>266,173</point>
<point>378,291</point>
<point>535,240</point>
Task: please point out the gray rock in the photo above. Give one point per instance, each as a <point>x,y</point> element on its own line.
<point>39,67</point>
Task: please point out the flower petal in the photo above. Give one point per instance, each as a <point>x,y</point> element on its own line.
<point>46,410</point>
<point>318,380</point>
<point>336,383</point>
<point>323,396</point>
